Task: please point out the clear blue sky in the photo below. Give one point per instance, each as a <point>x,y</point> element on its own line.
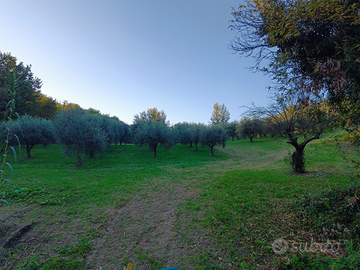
<point>125,56</point>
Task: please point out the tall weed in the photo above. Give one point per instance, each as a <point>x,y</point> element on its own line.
<point>13,81</point>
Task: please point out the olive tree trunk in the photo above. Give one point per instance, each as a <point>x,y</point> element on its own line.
<point>298,160</point>
<point>28,150</point>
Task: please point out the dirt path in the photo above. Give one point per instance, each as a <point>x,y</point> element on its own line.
<point>143,232</point>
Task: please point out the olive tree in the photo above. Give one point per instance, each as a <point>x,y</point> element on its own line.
<point>123,133</point>
<point>152,114</point>
<point>295,120</point>
<point>79,133</point>
<point>213,136</point>
<point>196,130</point>
<point>230,129</point>
<point>32,131</point>
<point>250,128</point>
<point>152,134</point>
<point>182,133</point>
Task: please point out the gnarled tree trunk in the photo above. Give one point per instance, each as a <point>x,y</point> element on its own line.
<point>298,161</point>
<point>28,150</point>
<point>196,147</point>
<point>79,158</point>
<point>212,150</point>
<point>154,149</point>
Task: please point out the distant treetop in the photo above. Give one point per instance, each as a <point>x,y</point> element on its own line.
<point>220,115</point>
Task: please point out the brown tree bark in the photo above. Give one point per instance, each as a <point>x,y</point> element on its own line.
<point>298,156</point>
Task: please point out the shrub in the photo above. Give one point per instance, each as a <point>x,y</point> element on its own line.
<point>332,211</point>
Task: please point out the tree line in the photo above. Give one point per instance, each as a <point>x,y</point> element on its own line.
<point>42,120</point>
<point>84,133</point>
<point>29,99</point>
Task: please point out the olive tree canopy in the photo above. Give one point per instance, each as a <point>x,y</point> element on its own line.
<point>80,133</point>
<point>152,134</point>
<point>213,136</point>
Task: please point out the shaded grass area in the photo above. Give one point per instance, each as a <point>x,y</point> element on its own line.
<point>242,203</point>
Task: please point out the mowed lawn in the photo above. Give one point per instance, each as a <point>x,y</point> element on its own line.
<point>181,209</point>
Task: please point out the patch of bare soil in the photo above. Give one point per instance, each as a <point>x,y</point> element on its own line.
<point>143,232</point>
<point>151,230</point>
<point>14,230</point>
<point>28,231</point>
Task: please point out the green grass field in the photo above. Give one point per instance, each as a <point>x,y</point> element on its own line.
<point>183,208</point>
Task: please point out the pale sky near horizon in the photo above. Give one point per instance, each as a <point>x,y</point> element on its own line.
<point>123,57</point>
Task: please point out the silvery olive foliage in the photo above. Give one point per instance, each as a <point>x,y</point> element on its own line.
<point>80,133</point>
<point>213,136</point>
<point>152,134</point>
<point>30,131</point>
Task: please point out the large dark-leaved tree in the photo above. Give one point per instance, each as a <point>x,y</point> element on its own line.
<point>48,107</point>
<point>27,94</point>
<point>310,47</point>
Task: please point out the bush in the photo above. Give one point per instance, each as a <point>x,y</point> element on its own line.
<point>332,211</point>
